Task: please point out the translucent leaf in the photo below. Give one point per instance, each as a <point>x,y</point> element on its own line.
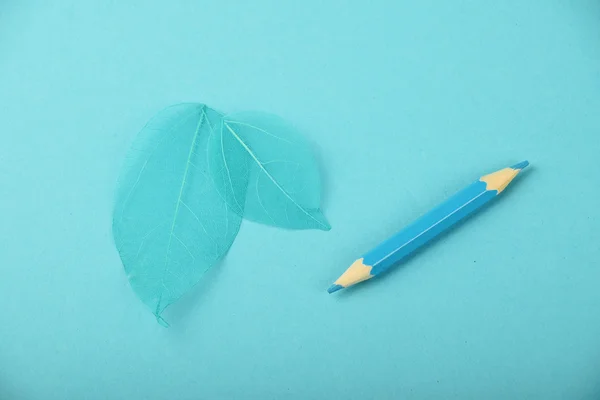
<point>283,186</point>
<point>229,166</point>
<point>170,224</point>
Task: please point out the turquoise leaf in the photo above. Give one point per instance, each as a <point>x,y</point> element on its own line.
<point>170,222</point>
<point>282,184</point>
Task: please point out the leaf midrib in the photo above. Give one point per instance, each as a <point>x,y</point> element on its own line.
<point>177,206</point>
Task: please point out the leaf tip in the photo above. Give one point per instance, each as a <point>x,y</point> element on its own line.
<point>161,321</point>
<point>326,227</point>
<point>323,224</point>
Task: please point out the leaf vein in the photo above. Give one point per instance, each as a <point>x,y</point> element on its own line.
<point>176,212</point>
<point>285,193</point>
<point>260,130</point>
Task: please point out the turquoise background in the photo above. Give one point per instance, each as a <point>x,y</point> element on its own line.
<point>406,103</point>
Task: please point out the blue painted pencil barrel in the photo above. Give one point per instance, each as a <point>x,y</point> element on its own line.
<point>432,224</point>
<point>426,228</point>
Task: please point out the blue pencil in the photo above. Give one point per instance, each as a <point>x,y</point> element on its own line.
<point>438,220</point>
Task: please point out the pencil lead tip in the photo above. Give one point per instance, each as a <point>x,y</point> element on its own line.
<point>521,165</point>
<point>334,288</point>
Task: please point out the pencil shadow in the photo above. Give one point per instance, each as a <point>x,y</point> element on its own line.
<point>405,262</point>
